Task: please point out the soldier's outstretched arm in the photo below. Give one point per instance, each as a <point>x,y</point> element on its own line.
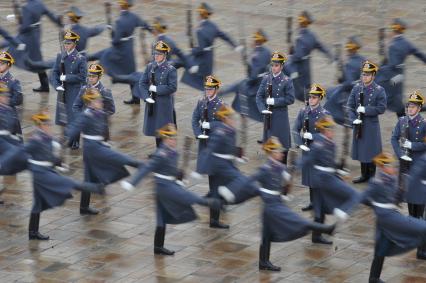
<point>416,52</point>
<point>53,17</point>
<point>16,97</point>
<point>321,47</point>
<point>224,36</point>
<point>96,30</point>
<point>141,23</point>
<point>10,39</point>
<point>144,169</point>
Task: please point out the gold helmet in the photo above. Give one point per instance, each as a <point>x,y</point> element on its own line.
<point>95,69</point>
<point>205,10</point>
<point>278,57</point>
<point>417,98</point>
<point>41,118</point>
<point>369,67</point>
<point>224,112</point>
<point>398,25</point>
<point>159,24</point>
<point>383,159</point>
<point>317,90</point>
<point>305,19</point>
<point>273,144</point>
<point>90,95</point>
<point>6,57</point>
<point>75,14</point>
<point>72,36</point>
<point>260,36</point>
<point>162,47</point>
<point>211,82</point>
<point>4,89</point>
<point>325,122</point>
<point>353,43</point>
<point>125,4</point>
<point>167,131</point>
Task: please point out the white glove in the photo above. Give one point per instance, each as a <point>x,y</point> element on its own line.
<point>342,172</point>
<point>108,27</point>
<point>208,48</point>
<point>10,18</point>
<point>194,69</point>
<point>153,88</point>
<point>307,136</point>
<point>340,214</point>
<point>294,75</point>
<point>195,175</point>
<point>226,194</point>
<point>239,48</point>
<point>62,78</point>
<point>60,88</point>
<point>286,176</point>
<point>397,79</point>
<point>266,111</point>
<point>205,125</point>
<point>64,168</point>
<point>149,100</point>
<point>270,101</point>
<point>407,144</point>
<point>242,160</point>
<point>21,46</point>
<point>357,122</point>
<point>360,109</point>
<point>127,186</point>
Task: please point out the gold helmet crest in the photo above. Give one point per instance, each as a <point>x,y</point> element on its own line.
<point>167,131</point>
<point>273,144</point>
<point>383,159</point>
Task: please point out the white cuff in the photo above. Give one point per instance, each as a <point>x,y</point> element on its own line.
<point>226,194</point>
<point>340,214</point>
<point>127,186</point>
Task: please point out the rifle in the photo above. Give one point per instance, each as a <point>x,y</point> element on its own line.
<point>291,168</point>
<point>151,93</point>
<point>108,16</point>
<point>345,141</point>
<point>61,89</point>
<point>189,25</point>
<point>267,122</point>
<point>405,136</point>
<point>305,145</point>
<point>243,96</point>
<point>381,33</point>
<point>338,51</point>
<point>142,38</point>
<point>290,28</point>
<point>358,127</point>
<point>17,11</point>
<point>205,119</point>
<point>187,144</point>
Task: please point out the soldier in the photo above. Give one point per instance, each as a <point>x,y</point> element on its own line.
<point>280,223</point>
<point>202,55</point>
<point>366,102</point>
<point>257,67</point>
<point>14,41</point>
<point>174,202</point>
<point>75,15</point>
<point>14,86</point>
<point>30,34</point>
<point>395,233</point>
<point>306,42</point>
<point>391,75</point>
<point>330,193</point>
<point>101,163</point>
<point>204,116</point>
<point>119,59</point>
<point>72,80</point>
<point>305,131</point>
<point>416,194</point>
<point>275,94</point>
<point>337,97</point>
<point>157,87</point>
<point>49,188</point>
<point>217,160</point>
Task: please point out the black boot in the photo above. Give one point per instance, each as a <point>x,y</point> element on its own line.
<point>376,269</point>
<point>214,220</point>
<point>264,252</point>
<point>322,228</point>
<point>133,100</point>
<point>44,83</point>
<point>316,235</point>
<point>371,170</point>
<point>309,206</point>
<point>213,203</point>
<point>284,160</point>
<point>157,142</point>
<point>33,233</point>
<point>364,174</point>
<point>75,145</point>
<point>159,248</point>
<point>85,209</point>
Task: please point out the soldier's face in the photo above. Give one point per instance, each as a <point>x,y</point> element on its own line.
<point>367,78</point>
<point>97,104</point>
<point>277,155</point>
<point>69,46</point>
<point>276,68</point>
<point>3,67</point>
<point>170,142</point>
<point>412,109</point>
<point>4,99</point>
<point>389,169</point>
<point>314,100</point>
<point>159,57</point>
<point>230,121</point>
<point>329,133</point>
<point>45,127</point>
<point>93,79</point>
<point>210,92</point>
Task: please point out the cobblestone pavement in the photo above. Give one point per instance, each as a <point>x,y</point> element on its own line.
<point>116,245</point>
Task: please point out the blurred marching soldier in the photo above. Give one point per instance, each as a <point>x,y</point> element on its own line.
<point>257,66</point>
<point>306,42</point>
<point>30,35</point>
<point>204,116</point>
<point>275,93</point>
<point>217,160</point>
<point>50,189</point>
<point>14,86</point>
<point>280,223</point>
<point>94,75</point>
<point>157,88</point>
<point>176,57</point>
<point>174,202</point>
<point>202,55</point>
<point>366,102</point>
<point>330,193</point>
<point>101,163</point>
<point>73,78</point>
<point>395,233</point>
<point>10,40</point>
<point>391,75</point>
<point>74,15</point>
<point>119,59</point>
<point>306,131</point>
<point>337,97</point>
<point>416,194</point>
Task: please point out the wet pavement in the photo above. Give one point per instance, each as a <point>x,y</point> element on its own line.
<point>116,245</point>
